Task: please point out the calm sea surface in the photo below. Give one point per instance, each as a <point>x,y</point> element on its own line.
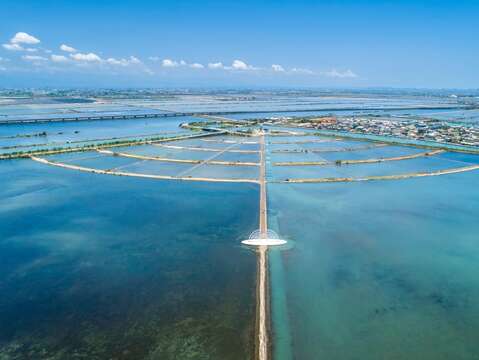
<point>103,267</point>
<point>377,270</point>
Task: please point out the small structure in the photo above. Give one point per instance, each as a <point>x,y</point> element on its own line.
<point>268,238</point>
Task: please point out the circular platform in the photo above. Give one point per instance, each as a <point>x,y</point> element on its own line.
<point>269,238</point>
<point>264,242</point>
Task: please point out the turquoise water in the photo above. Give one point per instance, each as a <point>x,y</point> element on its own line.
<point>372,153</point>
<point>105,267</point>
<point>383,270</point>
<point>158,151</point>
<point>223,171</point>
<point>88,130</point>
<point>421,165</point>
<point>241,157</point>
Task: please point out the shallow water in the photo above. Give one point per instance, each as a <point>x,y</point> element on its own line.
<point>100,267</point>
<point>62,132</point>
<point>383,270</point>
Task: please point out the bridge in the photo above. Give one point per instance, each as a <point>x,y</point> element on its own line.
<point>167,113</point>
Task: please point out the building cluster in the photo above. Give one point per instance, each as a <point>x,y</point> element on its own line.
<point>426,130</point>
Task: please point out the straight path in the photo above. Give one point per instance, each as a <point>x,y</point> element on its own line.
<point>206,161</point>
<point>262,281</point>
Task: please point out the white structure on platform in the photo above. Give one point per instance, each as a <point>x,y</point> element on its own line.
<point>270,238</point>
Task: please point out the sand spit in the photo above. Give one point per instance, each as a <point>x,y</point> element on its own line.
<point>360,161</point>
<point>148,176</point>
<point>184,161</point>
<point>383,177</point>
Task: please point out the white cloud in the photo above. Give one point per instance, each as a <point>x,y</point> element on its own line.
<point>67,48</point>
<point>197,66</point>
<point>90,57</point>
<point>13,47</point>
<point>24,38</point>
<point>302,71</point>
<point>113,61</point>
<point>34,58</point>
<point>31,50</point>
<point>241,65</point>
<point>217,65</point>
<point>59,58</point>
<point>338,74</point>
<point>183,63</point>
<point>169,63</point>
<point>154,58</point>
<point>134,60</point>
<point>277,68</point>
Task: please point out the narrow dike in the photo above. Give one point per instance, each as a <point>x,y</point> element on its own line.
<point>384,177</point>
<point>184,161</point>
<point>140,175</point>
<point>262,322</point>
<point>359,161</point>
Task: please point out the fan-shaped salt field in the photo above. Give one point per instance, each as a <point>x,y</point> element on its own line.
<point>199,237</point>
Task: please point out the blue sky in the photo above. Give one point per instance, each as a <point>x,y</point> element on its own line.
<point>243,43</point>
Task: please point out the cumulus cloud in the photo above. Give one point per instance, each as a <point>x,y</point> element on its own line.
<point>240,65</point>
<point>90,57</point>
<point>124,62</point>
<point>67,48</point>
<point>277,68</point>
<point>34,58</point>
<point>24,38</point>
<point>338,74</point>
<point>197,66</point>
<point>13,47</point>
<point>58,58</point>
<point>134,60</point>
<point>217,65</point>
<point>169,63</point>
<point>113,61</point>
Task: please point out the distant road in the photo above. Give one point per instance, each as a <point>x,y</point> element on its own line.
<point>91,117</point>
